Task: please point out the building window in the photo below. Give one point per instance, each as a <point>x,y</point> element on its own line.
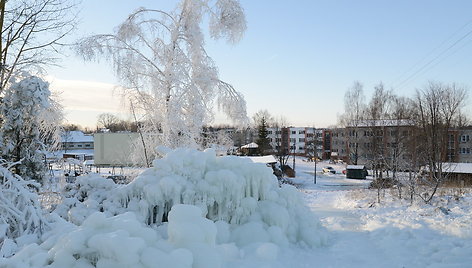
<point>71,145</point>
<point>301,148</point>
<point>301,132</point>
<point>79,145</point>
<point>87,145</point>
<point>294,132</point>
<point>293,140</point>
<point>269,132</point>
<point>301,140</point>
<point>465,138</point>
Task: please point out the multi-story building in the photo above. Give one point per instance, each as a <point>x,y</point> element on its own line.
<point>362,142</point>
<point>296,140</point>
<point>365,141</point>
<point>76,140</point>
<point>464,145</point>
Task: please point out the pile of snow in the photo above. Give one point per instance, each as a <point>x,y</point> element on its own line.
<point>191,209</point>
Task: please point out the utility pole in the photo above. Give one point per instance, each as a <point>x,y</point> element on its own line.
<point>294,148</point>
<point>315,153</point>
<point>314,180</point>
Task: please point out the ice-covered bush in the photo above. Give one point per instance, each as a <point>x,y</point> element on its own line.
<point>20,211</point>
<point>240,196</point>
<point>192,209</point>
<point>227,189</point>
<point>120,241</point>
<point>84,197</point>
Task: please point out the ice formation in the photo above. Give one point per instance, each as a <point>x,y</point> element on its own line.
<point>191,209</point>
<point>228,189</point>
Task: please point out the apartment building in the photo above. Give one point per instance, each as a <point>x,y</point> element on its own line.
<point>362,142</point>
<point>464,145</point>
<point>296,140</point>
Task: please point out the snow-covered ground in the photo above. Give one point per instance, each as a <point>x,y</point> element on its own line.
<point>363,233</point>
<point>341,225</point>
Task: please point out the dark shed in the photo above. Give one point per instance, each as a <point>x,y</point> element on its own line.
<point>356,172</point>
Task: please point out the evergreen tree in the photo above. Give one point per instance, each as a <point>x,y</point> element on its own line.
<point>263,140</point>
<point>30,124</point>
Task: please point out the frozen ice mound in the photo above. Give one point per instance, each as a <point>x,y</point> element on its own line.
<point>192,209</point>
<point>229,189</point>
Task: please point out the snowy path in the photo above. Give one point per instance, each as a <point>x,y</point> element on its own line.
<point>391,235</point>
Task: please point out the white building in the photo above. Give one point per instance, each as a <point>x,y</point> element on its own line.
<point>296,140</point>
<point>76,140</point>
<point>114,149</point>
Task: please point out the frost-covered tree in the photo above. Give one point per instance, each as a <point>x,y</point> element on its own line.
<point>31,123</point>
<point>160,59</point>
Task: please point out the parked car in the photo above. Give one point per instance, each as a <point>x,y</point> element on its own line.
<point>329,170</point>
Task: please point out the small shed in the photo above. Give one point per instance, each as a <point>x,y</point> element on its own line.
<point>458,174</point>
<point>250,149</point>
<point>356,172</point>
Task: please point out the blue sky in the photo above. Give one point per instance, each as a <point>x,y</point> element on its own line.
<point>298,58</point>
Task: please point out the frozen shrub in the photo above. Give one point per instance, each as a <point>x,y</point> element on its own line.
<point>20,211</point>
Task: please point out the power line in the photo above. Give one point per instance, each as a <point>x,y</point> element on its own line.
<point>406,81</point>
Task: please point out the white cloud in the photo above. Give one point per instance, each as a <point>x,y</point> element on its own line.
<point>83,101</point>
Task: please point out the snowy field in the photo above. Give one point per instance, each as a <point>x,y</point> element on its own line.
<point>250,222</point>
<point>363,233</point>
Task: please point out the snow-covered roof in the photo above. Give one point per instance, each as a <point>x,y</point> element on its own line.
<point>76,136</point>
<point>355,167</point>
<point>267,159</point>
<point>381,123</point>
<point>454,168</point>
<point>250,145</point>
<point>457,167</point>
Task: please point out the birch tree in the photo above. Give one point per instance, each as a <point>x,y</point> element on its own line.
<point>160,59</point>
<point>354,108</point>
